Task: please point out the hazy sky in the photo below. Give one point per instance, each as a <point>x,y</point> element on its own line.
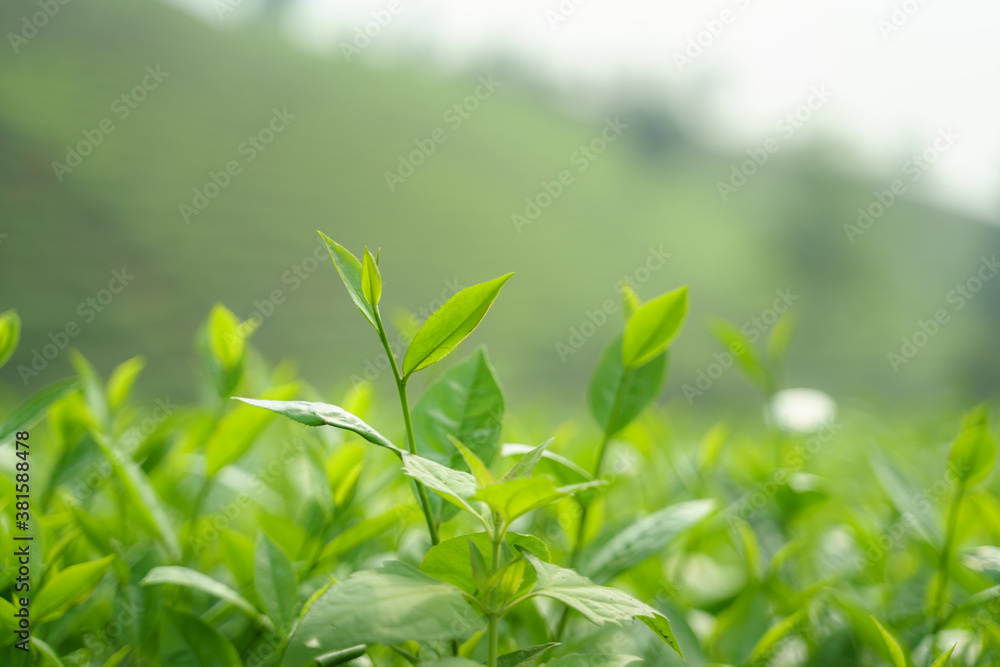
<point>898,72</point>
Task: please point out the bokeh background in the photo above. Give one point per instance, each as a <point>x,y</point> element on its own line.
<point>901,90</point>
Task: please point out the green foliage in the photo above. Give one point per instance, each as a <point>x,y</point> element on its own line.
<point>219,534</point>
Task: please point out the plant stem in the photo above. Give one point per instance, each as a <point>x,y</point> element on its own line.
<point>411,443</point>
<point>944,567</point>
<point>493,617</point>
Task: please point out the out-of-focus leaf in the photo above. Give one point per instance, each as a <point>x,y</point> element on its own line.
<point>743,351</point>
<point>775,634</point>
<point>340,657</point>
<point>183,576</point>
<point>209,646</point>
<point>28,413</point>
<point>896,654</point>
<point>974,451</point>
<point>122,380</point>
<point>10,334</point>
<point>392,604</point>
<point>653,326</point>
<point>593,660</point>
<point>276,583</point>
<point>644,538</point>
<point>238,430</point>
<point>618,393</point>
<point>515,498</point>
<point>68,588</point>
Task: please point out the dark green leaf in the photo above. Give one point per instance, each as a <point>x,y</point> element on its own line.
<point>618,393</point>
<point>183,576</point>
<point>209,647</point>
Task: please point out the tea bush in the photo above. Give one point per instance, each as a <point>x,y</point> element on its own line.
<point>449,533</point>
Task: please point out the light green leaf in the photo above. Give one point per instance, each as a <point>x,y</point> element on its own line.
<point>644,538</point>
<point>276,584</point>
<point>593,660</point>
<point>451,662</point>
<point>8,622</point>
<point>10,334</point>
<point>340,657</point>
<point>221,342</point>
<point>455,486</point>
<point>68,588</point>
<point>366,530</point>
<point>525,466</point>
<point>28,413</point>
<point>653,326</point>
<point>450,324</point>
<point>517,497</point>
<point>183,576</point>
<point>524,656</point>
<point>480,472</point>
<point>237,431</point>
<point>371,279</point>
<point>394,603</point>
<point>985,560</point>
<point>781,334</point>
<point>566,467</point>
<point>122,380</point>
<point>944,657</point>
<point>618,393</point>
<point>743,351</point>
<point>319,414</point>
<point>209,646</point>
<point>351,272</point>
<point>775,634</point>
<point>142,498</point>
<point>449,560</point>
<point>117,657</point>
<point>974,451</point>
<point>47,652</point>
<point>896,654</point>
<point>630,301</point>
<point>598,604</point>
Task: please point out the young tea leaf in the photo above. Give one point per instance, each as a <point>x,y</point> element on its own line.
<point>371,280</point>
<point>974,451</point>
<point>351,272</point>
<point>515,498</point>
<point>449,561</point>
<point>458,488</point>
<point>653,327</point>
<point>183,576</point>
<point>526,464</point>
<point>209,646</point>
<point>480,472</point>
<point>450,324</point>
<point>524,656</point>
<point>10,334</point>
<point>896,654</point>
<point>67,588</point>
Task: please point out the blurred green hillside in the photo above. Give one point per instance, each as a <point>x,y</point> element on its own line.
<point>449,222</point>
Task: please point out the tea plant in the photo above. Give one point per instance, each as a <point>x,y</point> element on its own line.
<point>218,533</point>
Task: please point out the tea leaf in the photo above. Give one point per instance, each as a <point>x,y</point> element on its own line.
<point>340,657</point>
<point>394,603</point>
<point>743,351</point>
<point>68,588</point>
<point>515,498</point>
<point>449,560</point>
<point>524,656</point>
<point>653,327</point>
<point>209,646</point>
<point>371,279</point>
<point>276,584</point>
<point>238,430</point>
<point>593,660</point>
<point>10,334</point>
<point>775,634</point>
<point>351,272</point>
<point>944,657</point>
<point>896,654</point>
<point>183,576</point>
<point>122,380</point>
<point>450,324</point>
<point>320,414</point>
<point>26,414</point>
<point>974,451</point>
<point>645,538</point>
<point>455,486</point>
<point>598,604</point>
<point>618,393</point>
<point>466,402</point>
<point>480,472</point>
